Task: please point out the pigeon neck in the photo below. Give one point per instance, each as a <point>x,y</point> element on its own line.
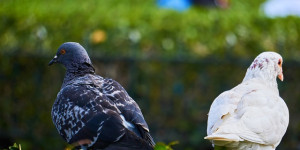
<point>263,74</point>
<point>77,70</point>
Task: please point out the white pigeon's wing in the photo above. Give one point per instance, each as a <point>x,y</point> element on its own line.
<point>262,112</point>
<point>222,108</point>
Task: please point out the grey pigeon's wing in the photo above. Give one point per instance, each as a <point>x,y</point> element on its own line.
<point>128,107</point>
<point>81,112</point>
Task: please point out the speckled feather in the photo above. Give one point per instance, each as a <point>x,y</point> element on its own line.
<point>89,107</point>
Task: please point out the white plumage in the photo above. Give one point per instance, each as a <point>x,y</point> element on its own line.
<point>252,115</point>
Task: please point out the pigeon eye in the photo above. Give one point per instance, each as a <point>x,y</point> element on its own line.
<point>279,62</point>
<point>62,51</point>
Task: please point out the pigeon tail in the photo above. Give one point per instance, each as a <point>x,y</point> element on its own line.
<point>130,142</point>
<point>224,137</point>
<point>231,140</point>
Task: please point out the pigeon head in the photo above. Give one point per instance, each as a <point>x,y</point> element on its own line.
<point>71,54</point>
<point>267,65</point>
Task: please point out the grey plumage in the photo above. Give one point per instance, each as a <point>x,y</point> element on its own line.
<point>95,111</point>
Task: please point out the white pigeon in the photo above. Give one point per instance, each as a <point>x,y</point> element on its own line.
<point>252,115</point>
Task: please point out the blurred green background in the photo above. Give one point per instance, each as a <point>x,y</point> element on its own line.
<point>172,63</point>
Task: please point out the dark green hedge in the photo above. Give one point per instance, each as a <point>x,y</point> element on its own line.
<point>141,29</point>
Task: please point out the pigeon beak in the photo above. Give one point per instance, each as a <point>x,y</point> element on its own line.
<point>280,76</point>
<point>54,60</point>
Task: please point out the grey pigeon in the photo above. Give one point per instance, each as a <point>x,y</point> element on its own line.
<point>95,112</point>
